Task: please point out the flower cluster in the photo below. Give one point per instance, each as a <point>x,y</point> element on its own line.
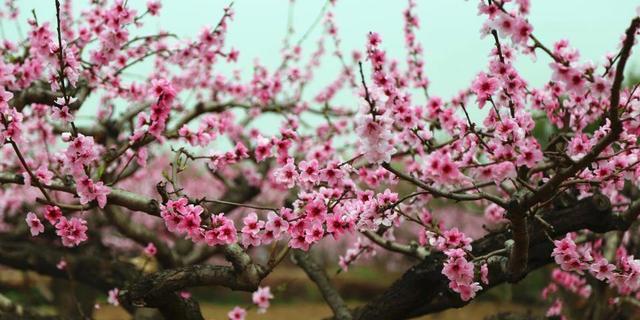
<point>380,176</point>
<point>359,250</point>
<point>578,260</point>
<point>72,231</point>
<point>460,273</point>
<point>261,298</point>
<point>35,226</point>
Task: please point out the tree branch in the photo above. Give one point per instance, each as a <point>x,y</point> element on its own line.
<point>444,194</point>
<point>415,251</point>
<point>423,289</point>
<point>518,207</point>
<point>320,278</point>
<point>118,197</point>
<point>88,266</point>
<point>140,234</point>
<point>151,290</point>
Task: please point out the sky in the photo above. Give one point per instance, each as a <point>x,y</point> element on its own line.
<point>454,50</point>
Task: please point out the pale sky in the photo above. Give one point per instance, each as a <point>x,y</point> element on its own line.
<point>454,51</point>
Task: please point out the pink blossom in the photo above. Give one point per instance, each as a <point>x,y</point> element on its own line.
<point>484,87</point>
<point>444,169</point>
<point>338,224</point>
<point>602,269</point>
<point>555,309</point>
<point>505,24</point>
<point>466,291</point>
<point>89,191</point>
<point>287,175</point>
<point>150,250</point>
<point>377,145</point>
<point>521,32</point>
<point>172,212</point>
<point>299,241</point>
<point>249,239</point>
<point>82,151</point>
<point>154,7</point>
<point>484,273</point>
<point>458,270</point>
<point>316,209</point>
<point>190,220</point>
<point>72,231</point>
<point>237,313</point>
<point>113,297</point>
<point>530,154</point>
<point>263,149</point>
<point>453,238</point>
<point>494,213</point>
<point>394,161</point>
<point>251,224</point>
<point>5,97</point>
<point>332,174</point>
<point>276,224</point>
<point>309,171</point>
<point>223,231</point>
<point>261,298</point>
<point>566,255</point>
<point>314,234</point>
<point>578,146</point>
<point>35,226</point>
<point>44,175</point>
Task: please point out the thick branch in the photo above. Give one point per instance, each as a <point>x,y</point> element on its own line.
<point>118,197</point>
<point>173,306</point>
<point>91,268</point>
<point>415,251</point>
<point>140,234</point>
<point>151,289</point>
<point>320,278</point>
<point>423,289</point>
<point>519,255</point>
<point>243,265</point>
<point>88,267</point>
<point>40,93</point>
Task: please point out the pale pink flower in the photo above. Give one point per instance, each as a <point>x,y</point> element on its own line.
<point>261,298</point>
<point>35,226</point>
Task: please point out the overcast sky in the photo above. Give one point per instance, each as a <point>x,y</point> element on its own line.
<point>454,51</point>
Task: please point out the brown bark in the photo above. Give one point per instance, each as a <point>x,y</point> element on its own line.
<point>423,289</point>
<point>320,278</point>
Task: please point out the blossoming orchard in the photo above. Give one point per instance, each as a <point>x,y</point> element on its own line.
<point>172,170</point>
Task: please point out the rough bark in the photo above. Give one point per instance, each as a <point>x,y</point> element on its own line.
<point>140,234</point>
<point>423,289</point>
<point>320,278</point>
<point>151,290</point>
<point>87,265</point>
